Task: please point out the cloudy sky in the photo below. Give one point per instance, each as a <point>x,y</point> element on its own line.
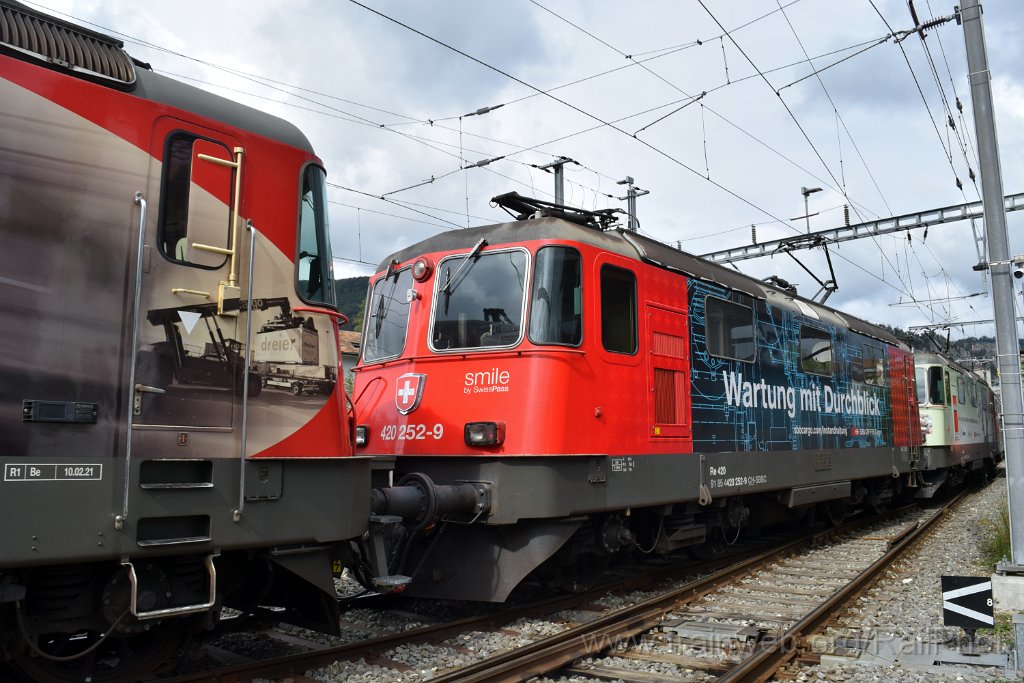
<point>384,91</point>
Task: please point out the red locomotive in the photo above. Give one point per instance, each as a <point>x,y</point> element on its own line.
<point>559,391</point>
<point>165,255</point>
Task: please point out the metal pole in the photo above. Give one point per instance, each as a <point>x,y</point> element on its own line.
<point>631,204</point>
<point>1007,350</point>
<point>632,192</point>
<point>558,165</point>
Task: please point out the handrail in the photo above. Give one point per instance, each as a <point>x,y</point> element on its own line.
<point>342,318</point>
<point>130,398</point>
<point>170,611</point>
<point>236,515</point>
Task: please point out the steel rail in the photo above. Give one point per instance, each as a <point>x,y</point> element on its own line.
<point>298,663</point>
<point>763,664</point>
<point>546,654</point>
<point>600,634</point>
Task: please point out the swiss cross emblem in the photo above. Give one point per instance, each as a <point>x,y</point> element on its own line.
<point>409,391</point>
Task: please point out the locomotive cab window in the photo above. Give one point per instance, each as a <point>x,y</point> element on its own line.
<point>479,300</point>
<point>314,265</point>
<point>556,308</point>
<point>618,310</point>
<point>195,200</point>
<point>729,329</point>
<point>931,387</point>
<point>815,351</point>
<point>387,319</point>
<point>921,381</point>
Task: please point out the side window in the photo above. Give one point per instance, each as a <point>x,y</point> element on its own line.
<point>314,263</point>
<point>729,329</point>
<point>936,388</point>
<point>618,310</point>
<point>815,351</point>
<point>873,365</point>
<point>195,201</point>
<point>961,390</point>
<point>556,311</point>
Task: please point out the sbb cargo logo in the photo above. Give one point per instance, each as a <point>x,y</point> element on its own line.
<point>409,392</point>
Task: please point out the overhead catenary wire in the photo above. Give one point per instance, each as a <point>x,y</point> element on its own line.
<point>690,97</point>
<point>917,84</point>
<point>698,42</point>
<point>952,82</point>
<point>467,133</point>
<point>565,103</point>
<point>726,33</point>
<point>840,120</point>
<point>789,111</point>
<point>347,116</point>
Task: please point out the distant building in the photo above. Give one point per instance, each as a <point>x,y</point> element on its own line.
<point>349,343</point>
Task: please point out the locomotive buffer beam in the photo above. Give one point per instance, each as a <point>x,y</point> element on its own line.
<point>419,501</point>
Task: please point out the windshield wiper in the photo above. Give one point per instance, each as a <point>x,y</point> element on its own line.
<point>379,315</point>
<point>453,281</point>
<point>382,309</point>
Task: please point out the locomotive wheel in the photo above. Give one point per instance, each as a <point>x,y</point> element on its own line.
<point>835,511</point>
<point>119,659</point>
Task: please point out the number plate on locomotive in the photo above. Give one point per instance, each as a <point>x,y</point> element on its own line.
<point>52,472</point>
<point>411,432</point>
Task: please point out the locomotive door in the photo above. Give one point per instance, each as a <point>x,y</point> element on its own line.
<point>187,355</point>
<point>669,411</point>
<point>190,362</point>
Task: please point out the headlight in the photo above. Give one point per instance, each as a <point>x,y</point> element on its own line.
<point>362,435</point>
<point>421,268</point>
<point>485,433</point>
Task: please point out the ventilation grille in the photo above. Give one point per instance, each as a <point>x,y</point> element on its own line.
<point>63,45</point>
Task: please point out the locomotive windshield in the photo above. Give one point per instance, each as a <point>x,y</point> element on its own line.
<point>314,262</point>
<point>387,317</point>
<point>480,300</point>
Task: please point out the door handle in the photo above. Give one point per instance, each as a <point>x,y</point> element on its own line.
<point>141,389</point>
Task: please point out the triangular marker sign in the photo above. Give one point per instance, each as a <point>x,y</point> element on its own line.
<point>189,319</point>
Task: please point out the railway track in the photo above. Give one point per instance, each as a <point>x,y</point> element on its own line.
<point>732,619</point>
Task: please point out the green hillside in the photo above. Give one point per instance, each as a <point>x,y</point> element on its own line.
<point>351,296</point>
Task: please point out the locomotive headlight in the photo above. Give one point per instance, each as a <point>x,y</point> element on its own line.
<point>485,433</point>
<point>362,435</point>
<point>421,268</point>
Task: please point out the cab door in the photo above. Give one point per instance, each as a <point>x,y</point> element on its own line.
<point>189,357</point>
<point>188,361</point>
